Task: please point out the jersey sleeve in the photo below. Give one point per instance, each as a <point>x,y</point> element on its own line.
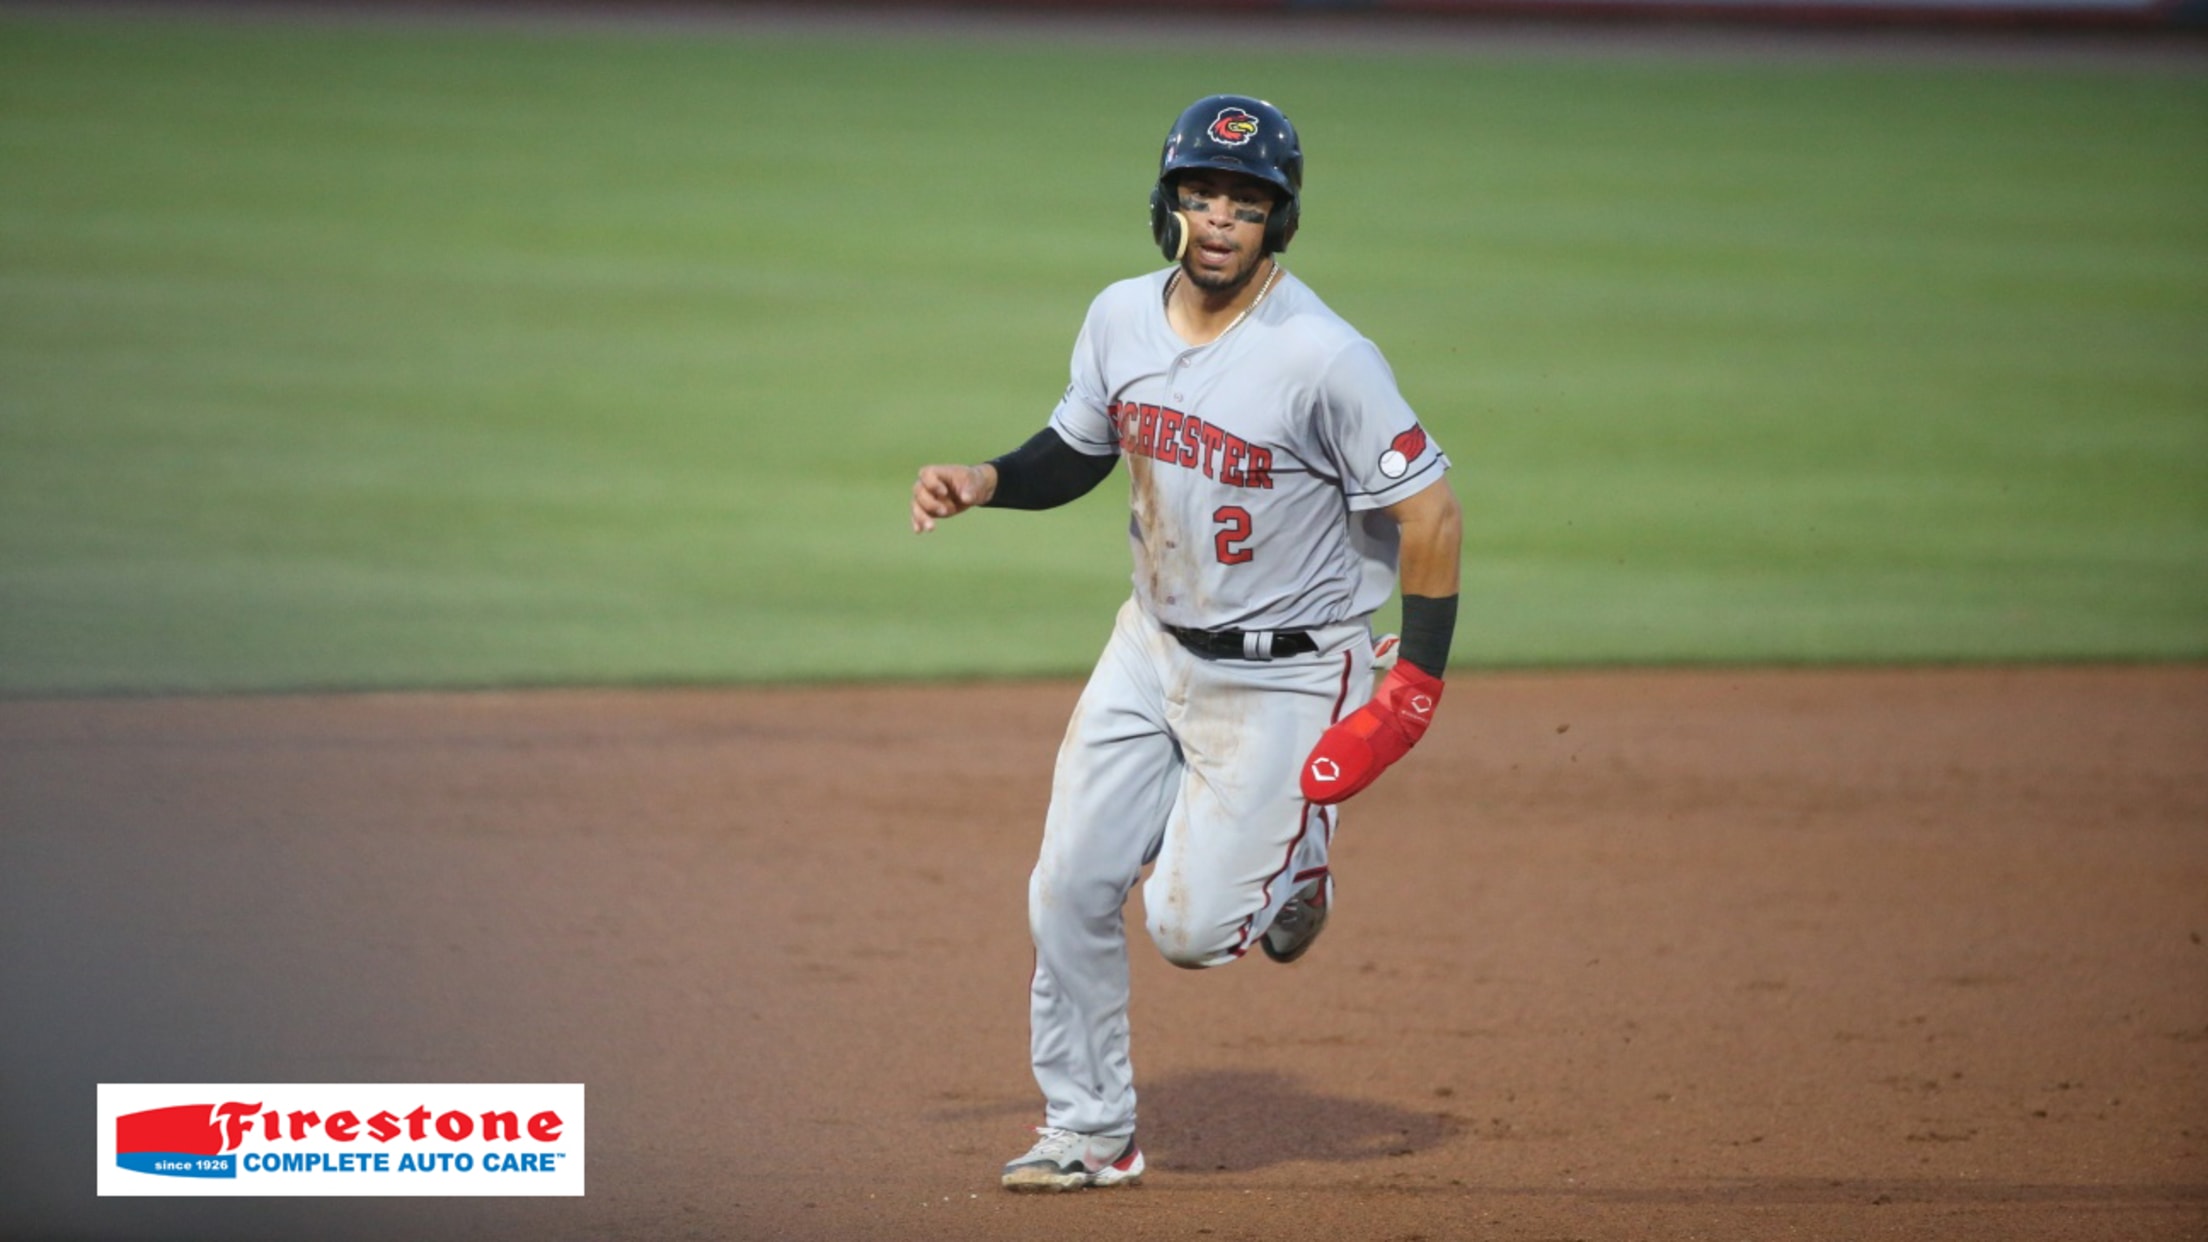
<point>1371,433</point>
<point>1083,418</point>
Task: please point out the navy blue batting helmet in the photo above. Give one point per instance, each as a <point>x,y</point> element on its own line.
<point>1230,133</point>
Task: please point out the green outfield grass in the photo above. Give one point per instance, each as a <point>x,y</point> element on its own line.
<point>353,357</point>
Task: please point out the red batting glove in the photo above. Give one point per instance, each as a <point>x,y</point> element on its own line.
<point>1359,747</point>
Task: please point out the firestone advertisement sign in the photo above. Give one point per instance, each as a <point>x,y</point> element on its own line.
<point>341,1139</point>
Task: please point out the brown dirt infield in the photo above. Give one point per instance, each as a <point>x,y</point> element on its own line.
<point>1648,955</point>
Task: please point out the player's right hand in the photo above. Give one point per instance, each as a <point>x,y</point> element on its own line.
<point>1358,748</point>
<point>947,491</point>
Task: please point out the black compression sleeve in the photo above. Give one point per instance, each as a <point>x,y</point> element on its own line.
<point>1046,472</point>
<point>1429,622</point>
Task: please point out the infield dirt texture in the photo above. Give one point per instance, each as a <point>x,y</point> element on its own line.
<point>1724,953</point>
<point>1666,955</point>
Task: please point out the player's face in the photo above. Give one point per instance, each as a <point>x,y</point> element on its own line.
<point>1226,214</point>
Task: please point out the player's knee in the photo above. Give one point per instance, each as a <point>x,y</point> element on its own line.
<point>1189,946</point>
<point>1189,958</point>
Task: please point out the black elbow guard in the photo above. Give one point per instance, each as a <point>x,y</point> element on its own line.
<point>1046,472</point>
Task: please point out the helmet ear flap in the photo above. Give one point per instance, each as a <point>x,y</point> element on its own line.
<point>1280,227</point>
<point>1167,226</point>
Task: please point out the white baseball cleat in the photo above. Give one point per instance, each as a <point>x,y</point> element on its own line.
<point>1067,1160</point>
<point>1300,921</point>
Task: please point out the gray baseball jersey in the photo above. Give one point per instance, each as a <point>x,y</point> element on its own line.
<point>1258,461</point>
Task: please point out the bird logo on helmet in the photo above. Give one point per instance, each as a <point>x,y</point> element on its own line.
<point>1234,127</point>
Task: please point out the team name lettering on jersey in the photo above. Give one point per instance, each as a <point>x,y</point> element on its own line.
<point>1165,434</point>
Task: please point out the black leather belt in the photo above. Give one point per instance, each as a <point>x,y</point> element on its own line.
<point>1244,644</point>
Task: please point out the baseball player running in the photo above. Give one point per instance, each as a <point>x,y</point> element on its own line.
<point>1280,489</point>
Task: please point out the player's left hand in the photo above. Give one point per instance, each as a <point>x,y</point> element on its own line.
<point>1359,747</point>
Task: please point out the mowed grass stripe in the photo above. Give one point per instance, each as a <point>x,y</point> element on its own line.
<point>359,357</point>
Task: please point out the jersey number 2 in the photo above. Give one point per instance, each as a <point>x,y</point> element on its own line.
<point>1234,530</point>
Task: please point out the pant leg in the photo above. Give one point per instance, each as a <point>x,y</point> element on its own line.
<point>1116,776</point>
<point>1240,839</point>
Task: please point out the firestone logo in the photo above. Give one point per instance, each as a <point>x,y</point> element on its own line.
<point>405,1139</point>
<point>195,1140</point>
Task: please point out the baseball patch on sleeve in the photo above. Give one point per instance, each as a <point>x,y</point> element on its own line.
<point>1402,451</point>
